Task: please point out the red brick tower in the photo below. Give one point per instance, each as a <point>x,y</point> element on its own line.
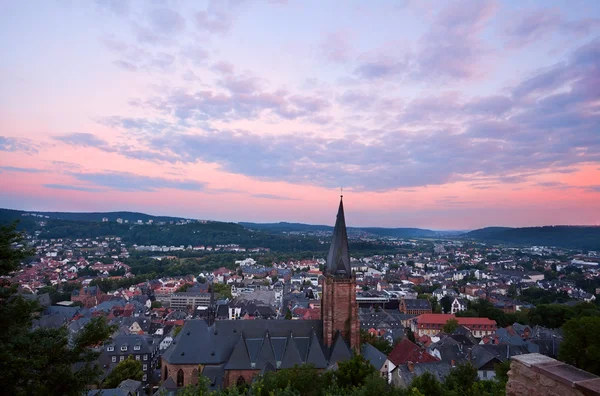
<point>339,309</point>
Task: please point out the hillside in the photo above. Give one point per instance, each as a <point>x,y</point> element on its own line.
<point>284,227</point>
<point>196,233</point>
<point>10,214</point>
<point>570,237</point>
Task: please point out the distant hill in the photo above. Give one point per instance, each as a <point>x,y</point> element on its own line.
<point>10,214</point>
<point>375,231</point>
<point>570,237</point>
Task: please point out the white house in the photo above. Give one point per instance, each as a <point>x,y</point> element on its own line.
<point>458,304</point>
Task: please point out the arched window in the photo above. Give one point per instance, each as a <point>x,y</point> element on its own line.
<point>240,381</point>
<point>166,372</point>
<point>179,378</point>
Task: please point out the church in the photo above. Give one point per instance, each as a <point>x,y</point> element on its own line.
<point>230,352</point>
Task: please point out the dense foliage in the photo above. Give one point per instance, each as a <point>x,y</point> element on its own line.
<point>126,369</point>
<point>42,361</point>
<point>355,377</point>
<point>581,344</point>
<point>572,237</point>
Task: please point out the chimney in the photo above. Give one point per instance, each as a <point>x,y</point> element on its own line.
<point>411,367</point>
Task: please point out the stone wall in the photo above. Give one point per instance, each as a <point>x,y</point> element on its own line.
<point>538,375</point>
<point>190,372</point>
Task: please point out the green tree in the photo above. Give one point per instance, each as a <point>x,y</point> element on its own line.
<point>581,344</point>
<point>41,361</point>
<point>223,290</point>
<point>446,304</point>
<point>156,304</point>
<point>353,372</point>
<point>427,384</point>
<point>410,335</point>
<point>461,378</point>
<point>450,326</point>
<point>127,369</point>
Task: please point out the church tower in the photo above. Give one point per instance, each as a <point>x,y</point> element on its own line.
<point>339,309</point>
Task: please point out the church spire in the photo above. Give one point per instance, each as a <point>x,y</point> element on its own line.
<point>338,259</point>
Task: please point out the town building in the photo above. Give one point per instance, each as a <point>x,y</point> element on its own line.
<point>432,324</point>
<point>235,351</point>
<point>416,306</point>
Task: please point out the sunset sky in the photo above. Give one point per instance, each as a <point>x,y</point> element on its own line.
<point>436,114</point>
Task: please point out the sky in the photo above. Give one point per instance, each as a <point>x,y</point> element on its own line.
<point>435,114</point>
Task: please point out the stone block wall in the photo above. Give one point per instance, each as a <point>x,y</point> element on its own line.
<point>538,375</point>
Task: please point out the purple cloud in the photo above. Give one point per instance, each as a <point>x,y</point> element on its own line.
<point>223,67</point>
<point>380,67</point>
<point>13,144</point>
<point>21,170</point>
<point>128,182</point>
<point>537,24</point>
<point>336,47</point>
<point>452,48</point>
<point>73,188</point>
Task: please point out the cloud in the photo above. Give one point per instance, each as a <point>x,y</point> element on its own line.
<point>488,140</point>
<point>271,196</point>
<point>73,188</point>
<point>196,54</point>
<point>124,181</point>
<point>126,65</point>
<point>245,100</point>
<point>380,67</point>
<point>593,188</point>
<point>83,139</point>
<point>213,21</point>
<point>166,21</point>
<point>13,144</point>
<point>223,67</point>
<point>22,170</point>
<point>452,48</point>
<point>336,47</point>
<point>90,140</point>
<point>536,24</point>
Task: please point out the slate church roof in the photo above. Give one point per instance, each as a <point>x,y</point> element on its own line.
<point>338,259</point>
<point>255,344</point>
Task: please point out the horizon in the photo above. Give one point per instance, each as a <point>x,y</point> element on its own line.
<point>442,115</point>
<point>294,222</point>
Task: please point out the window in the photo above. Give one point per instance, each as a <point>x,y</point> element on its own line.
<point>110,348</point>
<point>145,367</point>
<point>123,347</point>
<point>136,348</point>
<point>179,378</point>
<point>144,377</point>
<point>114,359</point>
<point>145,357</point>
<point>121,358</point>
<point>137,357</point>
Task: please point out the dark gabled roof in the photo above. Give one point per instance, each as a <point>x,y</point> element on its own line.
<point>215,376</point>
<point>265,356</point>
<point>338,259</point>
<point>340,350</point>
<point>417,303</point>
<point>438,369</point>
<point>268,368</point>
<point>373,355</point>
<point>315,353</point>
<point>239,359</point>
<point>291,356</point>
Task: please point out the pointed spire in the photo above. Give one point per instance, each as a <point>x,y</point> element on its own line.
<point>338,259</point>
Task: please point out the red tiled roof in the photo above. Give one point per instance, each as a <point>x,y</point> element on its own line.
<point>405,351</point>
<point>441,319</point>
